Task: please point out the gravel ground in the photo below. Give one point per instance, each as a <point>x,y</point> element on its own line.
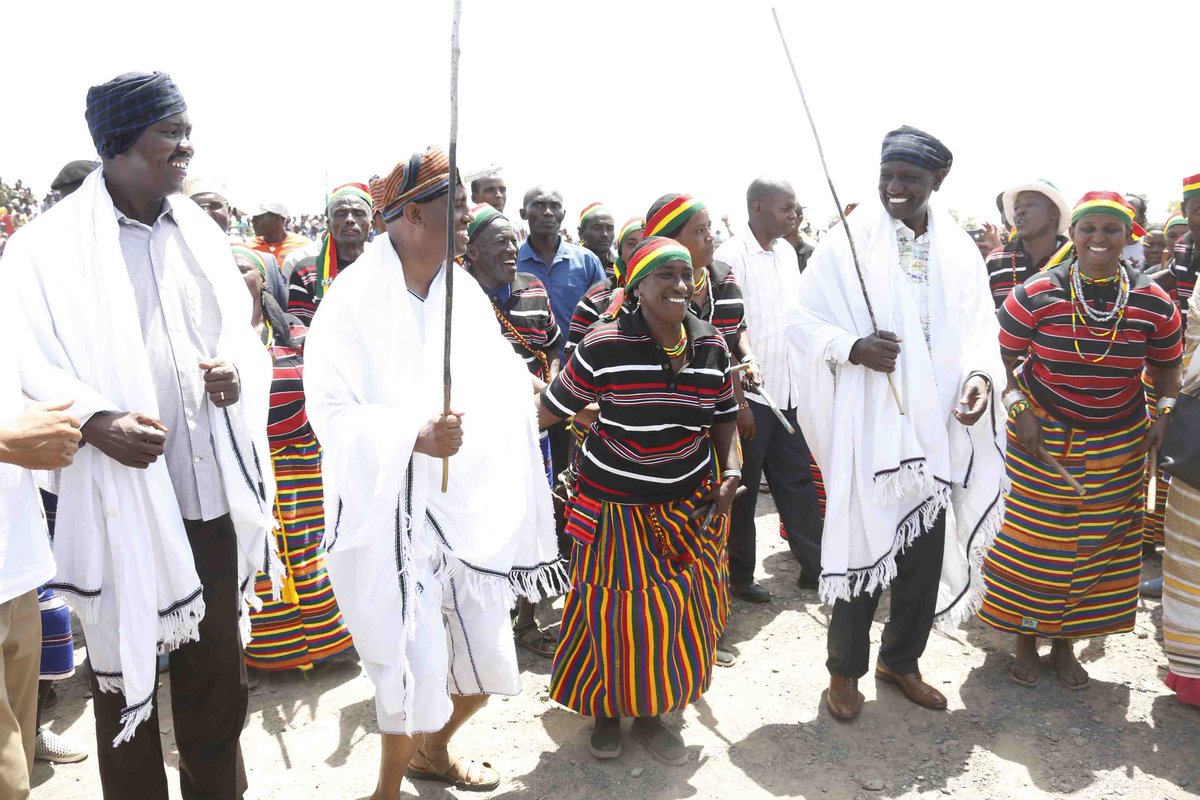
<point>761,731</point>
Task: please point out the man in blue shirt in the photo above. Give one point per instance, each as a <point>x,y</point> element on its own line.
<point>567,270</point>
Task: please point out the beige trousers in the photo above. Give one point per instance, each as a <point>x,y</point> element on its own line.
<point>20,659</point>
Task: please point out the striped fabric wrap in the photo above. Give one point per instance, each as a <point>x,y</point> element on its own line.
<point>590,210</point>
<point>1181,583</point>
<point>1063,566</point>
<point>359,190</point>
<point>631,228</point>
<point>1191,186</point>
<point>482,216</point>
<point>652,253</point>
<point>422,177</point>
<point>289,635</point>
<point>648,603</point>
<point>670,219</point>
<point>1109,203</point>
<point>1175,219</point>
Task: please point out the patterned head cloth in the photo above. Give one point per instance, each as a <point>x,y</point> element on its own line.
<point>1191,186</point>
<point>358,190</point>
<point>482,216</point>
<point>652,253</point>
<point>914,146</point>
<point>423,177</point>
<point>634,227</point>
<point>118,111</point>
<point>1173,220</point>
<point>670,219</point>
<point>591,209</point>
<point>255,257</point>
<point>1110,203</point>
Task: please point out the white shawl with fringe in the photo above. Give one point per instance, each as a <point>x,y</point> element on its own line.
<point>372,379</point>
<point>124,562</point>
<point>888,476</point>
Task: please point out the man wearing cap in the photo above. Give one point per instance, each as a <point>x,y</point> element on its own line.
<point>271,234</point>
<point>891,474</point>
<point>425,578</point>
<point>597,232</point>
<point>349,212</point>
<point>71,176</point>
<point>133,298</point>
<point>1040,215</point>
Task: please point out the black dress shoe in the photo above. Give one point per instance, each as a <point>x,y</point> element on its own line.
<point>752,592</point>
<point>803,581</point>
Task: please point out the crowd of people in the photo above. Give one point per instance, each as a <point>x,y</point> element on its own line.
<point>261,451</point>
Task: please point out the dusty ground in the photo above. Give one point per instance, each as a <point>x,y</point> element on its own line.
<point>761,731</point>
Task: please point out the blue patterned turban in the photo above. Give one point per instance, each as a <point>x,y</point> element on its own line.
<point>914,146</point>
<point>118,111</point>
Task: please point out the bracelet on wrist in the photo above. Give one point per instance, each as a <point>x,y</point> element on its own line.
<point>726,474</point>
<point>749,358</point>
<point>742,406</point>
<point>1011,397</point>
<point>1166,404</point>
<point>1019,407</point>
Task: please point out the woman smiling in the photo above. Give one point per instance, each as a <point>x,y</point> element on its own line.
<point>1063,566</point>
<point>657,475</point>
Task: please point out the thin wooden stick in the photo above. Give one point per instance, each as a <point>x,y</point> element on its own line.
<point>1152,489</point>
<point>451,212</point>
<point>1061,470</point>
<point>836,202</point>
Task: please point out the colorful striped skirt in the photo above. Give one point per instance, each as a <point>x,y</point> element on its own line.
<point>1181,592</point>
<point>1064,566</point>
<point>648,602</point>
<point>289,635</point>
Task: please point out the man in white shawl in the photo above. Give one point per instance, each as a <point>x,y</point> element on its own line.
<point>164,517</point>
<point>913,497</point>
<point>426,578</point>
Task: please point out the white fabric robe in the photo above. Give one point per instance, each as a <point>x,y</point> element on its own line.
<point>124,562</point>
<point>888,476</point>
<point>373,378</point>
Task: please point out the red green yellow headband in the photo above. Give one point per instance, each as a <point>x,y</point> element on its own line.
<point>590,210</point>
<point>1173,220</point>
<point>652,253</point>
<point>358,190</point>
<point>482,216</point>
<point>1109,203</point>
<point>255,257</point>
<point>670,219</point>
<point>1191,186</point>
<point>633,226</point>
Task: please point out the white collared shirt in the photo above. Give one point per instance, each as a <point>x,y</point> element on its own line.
<point>770,281</point>
<point>914,263</point>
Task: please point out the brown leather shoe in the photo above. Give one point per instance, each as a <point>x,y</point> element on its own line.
<point>913,687</point>
<point>843,699</point>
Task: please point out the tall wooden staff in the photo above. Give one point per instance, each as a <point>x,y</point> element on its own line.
<point>838,203</point>
<point>451,212</point>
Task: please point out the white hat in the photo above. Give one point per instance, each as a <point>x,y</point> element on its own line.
<point>1042,186</point>
<point>268,208</point>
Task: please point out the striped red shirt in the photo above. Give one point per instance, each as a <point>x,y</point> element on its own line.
<point>651,443</point>
<point>1036,320</point>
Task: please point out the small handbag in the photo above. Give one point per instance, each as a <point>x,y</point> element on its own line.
<point>1179,456</point>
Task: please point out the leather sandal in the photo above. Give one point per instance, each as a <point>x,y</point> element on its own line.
<point>464,774</point>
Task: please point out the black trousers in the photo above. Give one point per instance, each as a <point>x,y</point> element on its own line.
<point>906,632</point>
<point>561,442</point>
<point>785,458</point>
<point>208,695</point>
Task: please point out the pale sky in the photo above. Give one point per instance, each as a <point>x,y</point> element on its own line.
<point>624,100</point>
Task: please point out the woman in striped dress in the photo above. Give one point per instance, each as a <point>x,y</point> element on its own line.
<point>1063,566</point>
<point>658,472</point>
<point>304,626</point>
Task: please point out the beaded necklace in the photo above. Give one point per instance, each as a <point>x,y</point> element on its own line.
<point>679,347</point>
<point>1079,301</point>
<point>540,355</point>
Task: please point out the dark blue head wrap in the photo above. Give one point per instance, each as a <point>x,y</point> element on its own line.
<point>914,146</point>
<point>118,111</point>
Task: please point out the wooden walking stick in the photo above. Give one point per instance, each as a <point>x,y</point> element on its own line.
<point>1152,488</point>
<point>1062,471</point>
<point>838,203</point>
<point>451,203</point>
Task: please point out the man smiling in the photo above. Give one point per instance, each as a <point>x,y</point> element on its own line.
<point>890,474</point>
<point>133,297</point>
